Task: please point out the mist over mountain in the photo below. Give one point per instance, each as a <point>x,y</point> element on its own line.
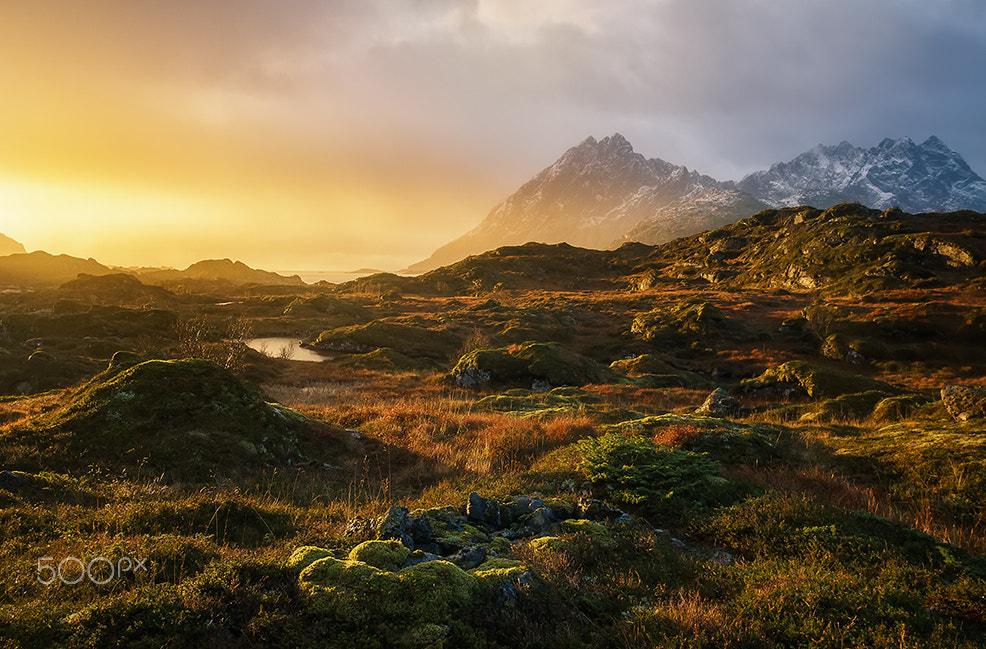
<point>589,197</point>
<point>601,194</point>
<point>40,268</point>
<point>235,272</point>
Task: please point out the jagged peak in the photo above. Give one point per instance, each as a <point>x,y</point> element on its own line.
<point>934,143</point>
<point>610,142</point>
<point>894,143</point>
<point>615,139</point>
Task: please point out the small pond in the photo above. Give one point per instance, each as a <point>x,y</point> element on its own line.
<point>281,347</point>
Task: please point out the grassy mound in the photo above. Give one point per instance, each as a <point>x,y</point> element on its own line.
<point>188,418</point>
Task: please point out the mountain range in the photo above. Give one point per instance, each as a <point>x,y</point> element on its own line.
<point>601,194</point>
<point>39,268</point>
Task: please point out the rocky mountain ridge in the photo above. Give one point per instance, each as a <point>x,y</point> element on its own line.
<point>601,194</point>
<point>924,177</point>
<point>588,198</point>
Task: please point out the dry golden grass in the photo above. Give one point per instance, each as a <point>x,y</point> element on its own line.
<point>677,435</point>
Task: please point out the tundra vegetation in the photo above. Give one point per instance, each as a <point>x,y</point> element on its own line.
<point>736,439</point>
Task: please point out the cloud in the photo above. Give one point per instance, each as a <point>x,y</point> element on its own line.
<point>430,111</point>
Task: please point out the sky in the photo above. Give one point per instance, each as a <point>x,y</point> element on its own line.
<point>338,134</point>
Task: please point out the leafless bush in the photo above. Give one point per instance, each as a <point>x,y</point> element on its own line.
<point>221,342</point>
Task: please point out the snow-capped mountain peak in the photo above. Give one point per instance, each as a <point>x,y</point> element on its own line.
<point>601,193</point>
<point>897,172</point>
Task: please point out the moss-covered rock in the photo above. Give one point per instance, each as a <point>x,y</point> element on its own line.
<point>642,365</point>
<point>387,555</point>
<point>720,438</point>
<point>649,371</point>
<point>408,339</point>
<point>814,380</point>
<point>385,359</point>
<point>598,532</point>
<point>499,570</point>
<point>549,544</point>
<point>857,351</point>
<point>416,606</point>
<point>305,556</point>
<point>323,305</point>
<point>533,361</point>
<point>894,409</point>
<point>691,320</point>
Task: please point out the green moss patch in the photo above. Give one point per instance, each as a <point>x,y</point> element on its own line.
<point>417,606</point>
<point>385,555</point>
<point>725,440</point>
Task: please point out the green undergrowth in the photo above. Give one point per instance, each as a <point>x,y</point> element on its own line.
<point>661,481</point>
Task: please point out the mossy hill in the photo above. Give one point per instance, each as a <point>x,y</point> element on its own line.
<point>185,419</point>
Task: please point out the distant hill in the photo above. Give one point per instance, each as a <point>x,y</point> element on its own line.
<point>10,247</point>
<point>218,270</point>
<point>117,289</point>
<point>40,268</point>
<point>600,194</point>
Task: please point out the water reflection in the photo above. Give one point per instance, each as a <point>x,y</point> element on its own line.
<point>288,348</point>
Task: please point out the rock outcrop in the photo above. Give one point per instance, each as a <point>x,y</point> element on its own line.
<point>719,404</point>
<point>964,402</point>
